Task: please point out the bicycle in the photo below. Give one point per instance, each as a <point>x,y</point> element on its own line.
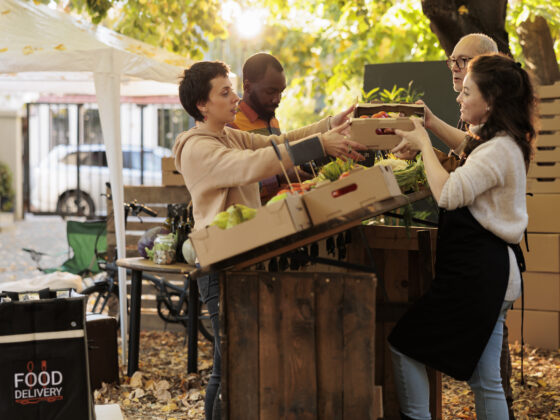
<point>172,300</point>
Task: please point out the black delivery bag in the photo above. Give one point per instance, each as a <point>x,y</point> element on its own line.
<point>43,360</point>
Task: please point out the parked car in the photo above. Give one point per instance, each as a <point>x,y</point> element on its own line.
<point>54,182</point>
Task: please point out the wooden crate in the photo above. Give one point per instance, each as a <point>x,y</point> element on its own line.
<point>298,346</point>
<point>404,262</point>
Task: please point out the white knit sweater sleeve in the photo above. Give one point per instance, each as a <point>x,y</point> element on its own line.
<point>484,169</point>
<point>492,183</point>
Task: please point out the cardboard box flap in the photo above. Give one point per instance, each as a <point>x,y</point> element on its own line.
<point>543,185</point>
<point>547,154</point>
<point>549,91</point>
<point>549,107</point>
<point>543,213</point>
<point>549,124</point>
<point>550,139</point>
<point>544,170</point>
<point>168,164</point>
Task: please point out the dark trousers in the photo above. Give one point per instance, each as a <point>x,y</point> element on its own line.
<point>506,371</point>
<point>209,288</point>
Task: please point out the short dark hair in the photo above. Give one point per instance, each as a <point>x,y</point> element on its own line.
<point>509,92</point>
<point>255,66</point>
<point>195,85</point>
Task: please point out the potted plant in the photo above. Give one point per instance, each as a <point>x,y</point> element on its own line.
<point>6,190</point>
<point>395,95</point>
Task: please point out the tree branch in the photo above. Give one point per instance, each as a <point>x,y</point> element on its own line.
<point>452,19</point>
<point>537,45</point>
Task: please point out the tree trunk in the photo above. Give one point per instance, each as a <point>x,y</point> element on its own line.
<point>536,42</point>
<point>452,19</point>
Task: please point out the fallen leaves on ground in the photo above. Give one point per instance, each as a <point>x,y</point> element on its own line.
<point>537,399</point>
<point>162,389</point>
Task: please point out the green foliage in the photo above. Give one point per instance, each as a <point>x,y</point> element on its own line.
<point>184,27</point>
<point>370,96</point>
<point>323,44</point>
<point>519,11</point>
<point>392,95</point>
<point>6,190</point>
<point>396,94</point>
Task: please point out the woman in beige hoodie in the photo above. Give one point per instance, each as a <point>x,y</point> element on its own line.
<point>222,166</point>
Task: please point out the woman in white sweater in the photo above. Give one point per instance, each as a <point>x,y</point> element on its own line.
<point>457,326</point>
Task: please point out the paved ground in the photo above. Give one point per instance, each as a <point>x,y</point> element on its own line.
<point>42,233</point>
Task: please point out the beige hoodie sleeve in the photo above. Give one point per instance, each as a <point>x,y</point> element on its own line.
<point>256,141</point>
<point>239,159</point>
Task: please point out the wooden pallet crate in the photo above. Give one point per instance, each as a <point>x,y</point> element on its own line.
<point>298,345</point>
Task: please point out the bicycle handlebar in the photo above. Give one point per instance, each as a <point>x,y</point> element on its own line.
<point>136,208</point>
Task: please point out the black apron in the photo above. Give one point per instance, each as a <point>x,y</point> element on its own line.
<point>449,327</point>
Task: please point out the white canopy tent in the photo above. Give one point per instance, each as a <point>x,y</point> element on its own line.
<point>35,38</point>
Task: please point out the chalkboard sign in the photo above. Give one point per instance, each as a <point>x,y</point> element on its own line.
<point>431,77</point>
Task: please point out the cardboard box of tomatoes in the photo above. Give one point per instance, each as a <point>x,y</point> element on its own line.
<point>361,187</point>
<point>373,124</point>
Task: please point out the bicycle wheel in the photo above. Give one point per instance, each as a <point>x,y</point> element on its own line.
<point>173,316</point>
<point>101,300</point>
<point>170,313</point>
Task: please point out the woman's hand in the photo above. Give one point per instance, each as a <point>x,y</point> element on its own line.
<point>337,144</point>
<point>416,139</point>
<point>342,117</point>
<point>405,151</point>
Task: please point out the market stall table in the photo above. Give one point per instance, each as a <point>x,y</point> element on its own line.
<point>313,234</point>
<point>248,306</point>
<point>138,265</point>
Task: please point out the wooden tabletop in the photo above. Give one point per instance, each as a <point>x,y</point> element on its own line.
<point>144,264</point>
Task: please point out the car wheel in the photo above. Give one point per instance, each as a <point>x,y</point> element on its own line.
<point>70,204</point>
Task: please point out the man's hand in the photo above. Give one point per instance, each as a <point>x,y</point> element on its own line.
<point>342,117</point>
<point>428,115</point>
<point>337,144</point>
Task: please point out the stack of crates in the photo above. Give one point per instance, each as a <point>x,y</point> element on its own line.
<point>542,279</point>
<point>170,176</point>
